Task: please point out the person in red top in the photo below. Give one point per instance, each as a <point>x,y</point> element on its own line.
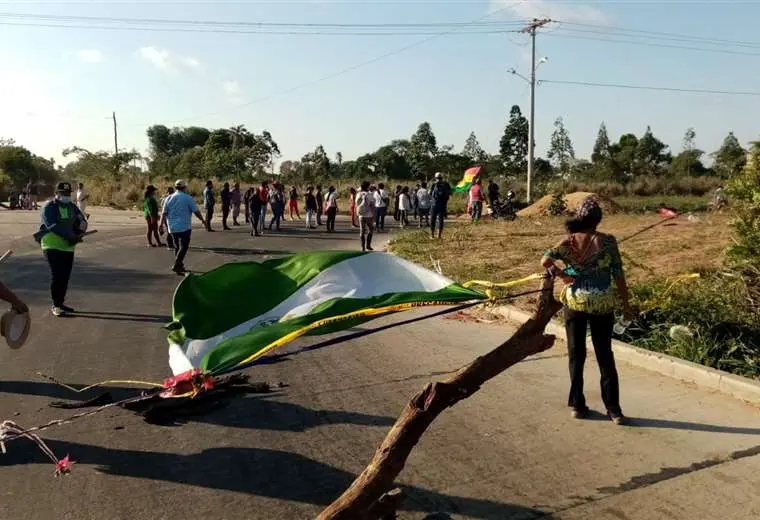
<point>476,200</point>
<point>354,216</point>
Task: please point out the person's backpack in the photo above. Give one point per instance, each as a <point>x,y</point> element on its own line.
<point>440,193</point>
<point>423,197</point>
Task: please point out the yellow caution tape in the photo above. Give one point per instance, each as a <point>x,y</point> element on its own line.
<point>373,311</point>
<point>504,285</point>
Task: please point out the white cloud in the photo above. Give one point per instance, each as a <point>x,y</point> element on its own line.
<point>90,55</point>
<point>566,12</point>
<point>190,62</point>
<point>158,57</point>
<point>233,91</point>
<point>164,59</point>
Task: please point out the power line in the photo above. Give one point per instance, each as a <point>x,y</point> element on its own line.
<point>161,21</point>
<point>653,88</point>
<point>351,68</point>
<point>659,35</point>
<point>653,44</point>
<point>255,31</point>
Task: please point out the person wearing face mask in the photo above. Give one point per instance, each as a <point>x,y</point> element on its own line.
<point>63,226</point>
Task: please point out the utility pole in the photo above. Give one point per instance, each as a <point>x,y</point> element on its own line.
<point>115,135</point>
<point>531,29</point>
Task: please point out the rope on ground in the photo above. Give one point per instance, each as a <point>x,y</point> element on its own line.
<point>102,383</point>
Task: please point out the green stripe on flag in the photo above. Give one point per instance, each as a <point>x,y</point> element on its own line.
<point>233,351</point>
<point>208,304</point>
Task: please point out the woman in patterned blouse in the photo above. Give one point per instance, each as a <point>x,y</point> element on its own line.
<point>590,263</point>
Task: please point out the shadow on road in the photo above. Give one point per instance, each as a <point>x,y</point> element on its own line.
<point>48,389</point>
<point>641,422</point>
<point>254,471</point>
<point>638,422</point>
<point>260,412</point>
<point>122,316</point>
<point>239,251</point>
<point>30,277</point>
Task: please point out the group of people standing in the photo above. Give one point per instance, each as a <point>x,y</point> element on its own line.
<point>587,261</point>
<point>419,202</point>
<point>369,207</point>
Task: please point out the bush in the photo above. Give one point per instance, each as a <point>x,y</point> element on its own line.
<point>744,193</point>
<point>558,205</point>
<point>725,332</point>
<point>646,186</point>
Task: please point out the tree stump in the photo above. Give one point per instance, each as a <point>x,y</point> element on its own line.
<point>362,500</point>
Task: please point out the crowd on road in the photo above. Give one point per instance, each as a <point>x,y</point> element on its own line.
<point>587,261</point>
<point>368,208</point>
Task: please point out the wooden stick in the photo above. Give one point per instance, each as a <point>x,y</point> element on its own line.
<point>6,255</point>
<point>360,500</point>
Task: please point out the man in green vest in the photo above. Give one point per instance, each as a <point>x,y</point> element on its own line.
<point>63,226</point>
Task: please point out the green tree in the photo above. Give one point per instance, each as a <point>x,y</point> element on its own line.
<point>160,140</point>
<point>601,153</point>
<point>622,162</point>
<point>730,158</point>
<point>561,152</point>
<point>98,164</point>
<point>688,162</point>
<point>388,162</point>
<point>473,150</point>
<point>423,148</point>
<point>513,146</point>
<point>651,155</point>
<point>19,166</point>
<point>194,136</point>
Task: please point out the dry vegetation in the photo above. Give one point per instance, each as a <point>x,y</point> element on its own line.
<point>501,251</point>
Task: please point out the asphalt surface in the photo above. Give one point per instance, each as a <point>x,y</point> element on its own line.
<point>510,451</point>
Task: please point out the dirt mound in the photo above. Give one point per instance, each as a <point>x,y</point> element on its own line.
<point>541,206</point>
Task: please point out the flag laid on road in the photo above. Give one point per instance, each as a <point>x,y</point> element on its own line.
<point>229,317</point>
<point>467,180</point>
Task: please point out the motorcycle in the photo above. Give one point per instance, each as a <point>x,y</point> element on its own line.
<point>504,209</point>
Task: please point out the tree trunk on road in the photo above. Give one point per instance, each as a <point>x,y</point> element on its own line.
<point>360,500</point>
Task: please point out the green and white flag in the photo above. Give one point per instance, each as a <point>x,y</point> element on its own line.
<point>227,318</point>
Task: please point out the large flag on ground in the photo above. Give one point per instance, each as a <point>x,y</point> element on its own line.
<point>227,318</point>
<point>467,180</point>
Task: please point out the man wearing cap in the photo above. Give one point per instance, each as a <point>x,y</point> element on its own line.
<point>63,226</point>
<point>179,209</point>
<point>439,194</point>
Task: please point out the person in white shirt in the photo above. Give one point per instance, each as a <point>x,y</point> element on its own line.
<point>331,208</point>
<point>366,209</point>
<point>82,197</point>
<point>381,206</point>
<point>404,207</point>
<point>423,202</point>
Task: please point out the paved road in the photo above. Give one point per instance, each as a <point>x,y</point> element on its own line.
<point>511,451</point>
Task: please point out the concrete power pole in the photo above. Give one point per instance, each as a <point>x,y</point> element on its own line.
<point>531,29</point>
<point>115,135</point>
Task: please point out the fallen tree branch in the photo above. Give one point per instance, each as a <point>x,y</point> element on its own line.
<point>360,500</point>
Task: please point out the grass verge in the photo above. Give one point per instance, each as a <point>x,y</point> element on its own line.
<point>713,324</point>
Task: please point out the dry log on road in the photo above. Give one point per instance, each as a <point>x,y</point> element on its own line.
<point>360,499</point>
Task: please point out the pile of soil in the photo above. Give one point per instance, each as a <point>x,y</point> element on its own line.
<point>541,206</point>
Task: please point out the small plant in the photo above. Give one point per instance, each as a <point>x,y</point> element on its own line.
<point>558,205</point>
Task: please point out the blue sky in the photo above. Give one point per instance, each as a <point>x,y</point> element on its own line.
<point>61,84</point>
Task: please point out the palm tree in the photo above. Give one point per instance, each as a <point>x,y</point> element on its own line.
<point>237,133</point>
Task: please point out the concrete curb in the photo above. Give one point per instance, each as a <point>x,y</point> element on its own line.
<point>705,377</point>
